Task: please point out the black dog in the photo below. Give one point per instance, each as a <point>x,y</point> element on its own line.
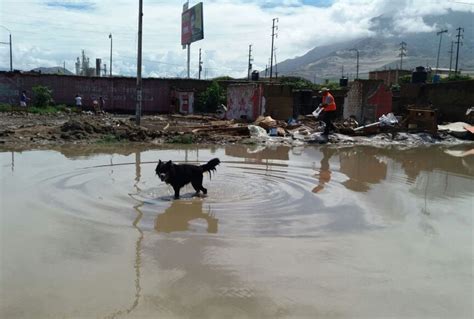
<point>180,175</point>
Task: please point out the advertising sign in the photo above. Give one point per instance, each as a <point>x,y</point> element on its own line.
<point>192,26</point>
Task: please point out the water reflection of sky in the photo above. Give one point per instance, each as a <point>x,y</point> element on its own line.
<point>98,220</point>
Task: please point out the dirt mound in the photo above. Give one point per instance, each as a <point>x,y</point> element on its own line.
<point>87,128</point>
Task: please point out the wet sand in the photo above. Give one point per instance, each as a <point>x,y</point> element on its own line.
<point>310,232</point>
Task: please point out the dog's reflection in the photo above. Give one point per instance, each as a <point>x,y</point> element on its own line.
<point>178,216</point>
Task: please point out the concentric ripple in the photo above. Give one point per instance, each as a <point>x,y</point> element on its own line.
<point>244,198</point>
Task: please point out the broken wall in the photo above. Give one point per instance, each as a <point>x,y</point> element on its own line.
<point>367,100</point>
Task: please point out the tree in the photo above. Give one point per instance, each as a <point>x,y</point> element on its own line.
<point>296,82</point>
<point>211,98</point>
<point>42,96</point>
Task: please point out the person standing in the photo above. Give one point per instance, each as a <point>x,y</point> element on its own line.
<point>329,110</point>
<point>78,101</point>
<point>101,104</point>
<point>23,99</point>
<point>95,105</point>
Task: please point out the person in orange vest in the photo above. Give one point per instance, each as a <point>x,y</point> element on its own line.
<point>329,110</point>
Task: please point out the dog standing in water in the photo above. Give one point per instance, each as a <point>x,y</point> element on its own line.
<point>179,175</point>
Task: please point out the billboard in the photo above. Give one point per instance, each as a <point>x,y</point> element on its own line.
<point>192,26</point>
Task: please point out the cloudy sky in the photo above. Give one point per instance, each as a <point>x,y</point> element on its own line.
<point>49,32</point>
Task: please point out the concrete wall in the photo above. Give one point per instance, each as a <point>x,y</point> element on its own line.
<point>119,92</point>
<point>367,100</point>
<point>244,101</point>
<point>452,99</point>
<point>279,101</point>
<point>303,102</point>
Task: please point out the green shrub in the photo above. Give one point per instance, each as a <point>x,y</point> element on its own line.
<point>296,82</point>
<point>182,139</point>
<point>404,79</point>
<point>109,139</point>
<point>457,77</point>
<point>211,98</point>
<point>42,96</point>
<point>43,110</point>
<point>5,107</point>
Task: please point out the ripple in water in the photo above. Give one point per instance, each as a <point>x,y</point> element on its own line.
<point>244,199</point>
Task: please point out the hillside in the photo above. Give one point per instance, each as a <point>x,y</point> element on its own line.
<point>381,50</point>
<point>53,70</point>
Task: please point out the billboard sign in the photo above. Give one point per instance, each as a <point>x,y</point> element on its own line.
<point>192,26</point>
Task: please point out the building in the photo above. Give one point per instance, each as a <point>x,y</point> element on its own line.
<point>389,77</point>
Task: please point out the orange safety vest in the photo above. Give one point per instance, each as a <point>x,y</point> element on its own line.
<point>332,105</point>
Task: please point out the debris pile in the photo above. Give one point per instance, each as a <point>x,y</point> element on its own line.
<point>94,127</point>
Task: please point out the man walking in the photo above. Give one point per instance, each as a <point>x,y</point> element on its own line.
<point>329,110</point>
<point>78,101</point>
<point>23,99</point>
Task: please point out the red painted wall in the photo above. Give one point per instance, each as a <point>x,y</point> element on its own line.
<point>382,99</point>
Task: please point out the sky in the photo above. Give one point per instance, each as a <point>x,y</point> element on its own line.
<point>50,32</point>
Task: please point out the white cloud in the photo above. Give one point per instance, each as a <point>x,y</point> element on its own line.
<point>45,35</point>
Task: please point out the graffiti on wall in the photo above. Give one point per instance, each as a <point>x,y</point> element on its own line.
<point>186,102</point>
<point>243,101</point>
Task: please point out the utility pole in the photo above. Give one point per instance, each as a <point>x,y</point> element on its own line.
<point>138,110</point>
<point>250,63</point>
<point>451,57</point>
<point>189,61</point>
<point>110,37</point>
<point>266,70</point>
<point>403,52</point>
<point>11,55</point>
<point>440,33</point>
<point>276,65</point>
<point>458,42</point>
<point>64,67</point>
<point>200,64</point>
<point>357,65</point>
<point>10,44</point>
<point>273,40</point>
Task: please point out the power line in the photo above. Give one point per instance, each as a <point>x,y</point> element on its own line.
<point>250,62</point>
<point>403,52</point>
<point>273,39</point>
<point>451,57</point>
<point>200,64</point>
<point>458,42</point>
<point>440,33</point>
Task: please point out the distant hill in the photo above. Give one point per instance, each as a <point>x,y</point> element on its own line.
<point>381,51</point>
<point>53,70</point>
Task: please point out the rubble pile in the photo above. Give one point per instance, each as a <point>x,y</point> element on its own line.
<point>93,127</point>
<point>212,129</point>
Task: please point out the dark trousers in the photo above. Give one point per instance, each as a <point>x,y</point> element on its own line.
<point>327,118</point>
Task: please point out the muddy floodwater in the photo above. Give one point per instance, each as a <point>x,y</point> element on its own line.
<point>310,232</point>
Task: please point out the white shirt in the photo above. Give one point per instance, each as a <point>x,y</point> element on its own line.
<point>78,101</point>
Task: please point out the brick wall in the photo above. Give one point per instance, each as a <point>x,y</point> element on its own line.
<point>389,77</point>
<point>118,92</point>
<point>452,99</point>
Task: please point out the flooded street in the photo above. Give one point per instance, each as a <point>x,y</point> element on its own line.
<point>310,232</point>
